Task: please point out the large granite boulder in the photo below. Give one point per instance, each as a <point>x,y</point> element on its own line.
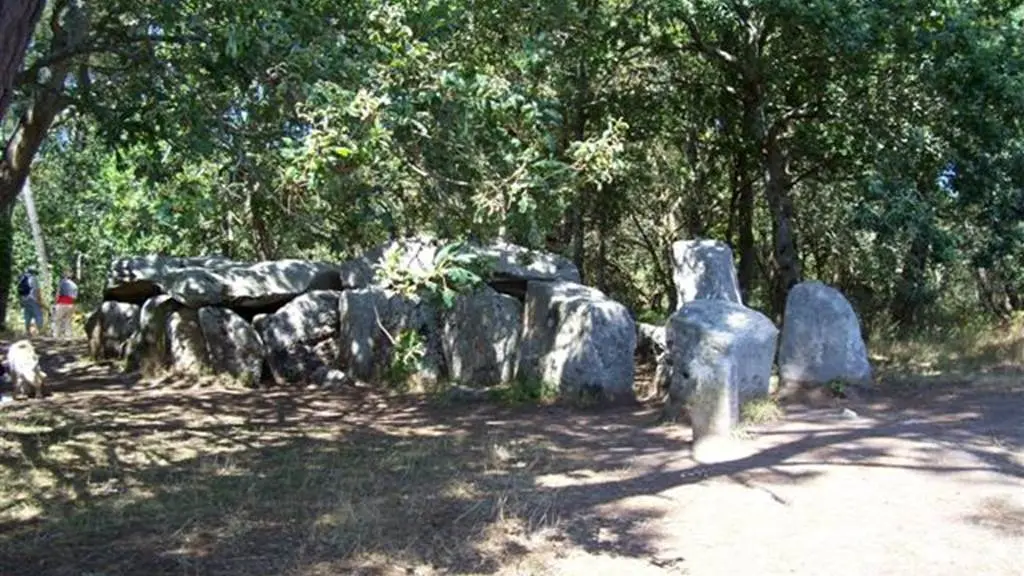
<point>186,346</point>
<point>137,279</point>
<point>704,270</point>
<point>376,324</point>
<point>233,345</point>
<point>480,337</point>
<point>509,266</point>
<point>109,327</point>
<point>300,339</point>
<point>198,282</point>
<point>147,349</point>
<point>821,339</point>
<point>650,340</point>
<point>721,355</point>
<point>577,342</point>
<point>512,261</point>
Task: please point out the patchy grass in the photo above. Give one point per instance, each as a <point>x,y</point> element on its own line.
<point>980,357</point>
<point>761,411</point>
<point>524,391</point>
<point>194,488</point>
<point>194,475</point>
<point>965,348</point>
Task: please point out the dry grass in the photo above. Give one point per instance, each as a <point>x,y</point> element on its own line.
<point>189,476</point>
<point>964,348</point>
<point>979,357</point>
<point>281,489</point>
<point>761,411</point>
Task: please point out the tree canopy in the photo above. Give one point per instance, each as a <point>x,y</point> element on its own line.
<point>876,146</point>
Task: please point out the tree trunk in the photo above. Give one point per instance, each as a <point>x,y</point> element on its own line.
<point>47,103</point>
<point>601,273</point>
<point>660,254</point>
<point>45,277</point>
<point>694,220</point>
<point>907,304</point>
<point>6,260</point>
<point>773,163</point>
<point>990,293</point>
<point>578,232</point>
<point>780,203</point>
<point>70,28</point>
<point>745,224</point>
<point>18,20</point>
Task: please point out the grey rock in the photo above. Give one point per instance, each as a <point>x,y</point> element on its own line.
<point>514,261</point>
<point>198,282</point>
<point>301,337</point>
<point>848,414</point>
<point>356,273</point>
<point>704,270</point>
<point>480,336</point>
<point>821,340</point>
<point>721,356</point>
<point>109,327</point>
<point>371,318</point>
<point>663,373</point>
<point>460,393</point>
<point>186,345</point>
<point>413,254</point>
<point>138,278</point>
<point>233,345</point>
<point>508,262</point>
<point>331,379</point>
<point>147,349</point>
<point>650,340</point>
<point>578,342</point>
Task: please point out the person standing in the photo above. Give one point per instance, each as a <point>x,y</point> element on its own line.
<point>31,300</point>
<point>64,309</point>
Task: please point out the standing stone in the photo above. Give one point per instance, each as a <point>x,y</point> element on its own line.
<point>300,339</point>
<point>185,343</point>
<point>109,327</point>
<point>577,342</point>
<point>821,339</point>
<point>147,348</point>
<point>233,345</point>
<point>480,337</point>
<point>704,270</point>
<point>721,355</point>
<point>370,318</point>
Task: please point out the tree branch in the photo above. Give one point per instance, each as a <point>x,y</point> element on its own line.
<point>713,52</point>
<point>29,73</point>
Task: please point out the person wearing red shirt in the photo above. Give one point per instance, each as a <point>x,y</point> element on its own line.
<point>67,293</point>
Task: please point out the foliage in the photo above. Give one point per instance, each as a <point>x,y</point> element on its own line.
<point>454,270</point>
<point>407,355</point>
<point>878,147</point>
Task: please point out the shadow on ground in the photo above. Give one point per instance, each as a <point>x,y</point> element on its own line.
<point>110,477</point>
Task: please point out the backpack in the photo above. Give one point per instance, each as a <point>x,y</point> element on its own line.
<point>24,286</point>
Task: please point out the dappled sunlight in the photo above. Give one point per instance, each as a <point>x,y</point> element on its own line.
<point>170,477</point>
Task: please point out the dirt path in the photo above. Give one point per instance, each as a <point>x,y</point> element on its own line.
<point>112,476</point>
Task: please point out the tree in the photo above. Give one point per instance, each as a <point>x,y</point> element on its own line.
<point>18,20</point>
<point>874,146</point>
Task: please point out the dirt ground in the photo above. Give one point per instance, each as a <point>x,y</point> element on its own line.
<point>114,476</point>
